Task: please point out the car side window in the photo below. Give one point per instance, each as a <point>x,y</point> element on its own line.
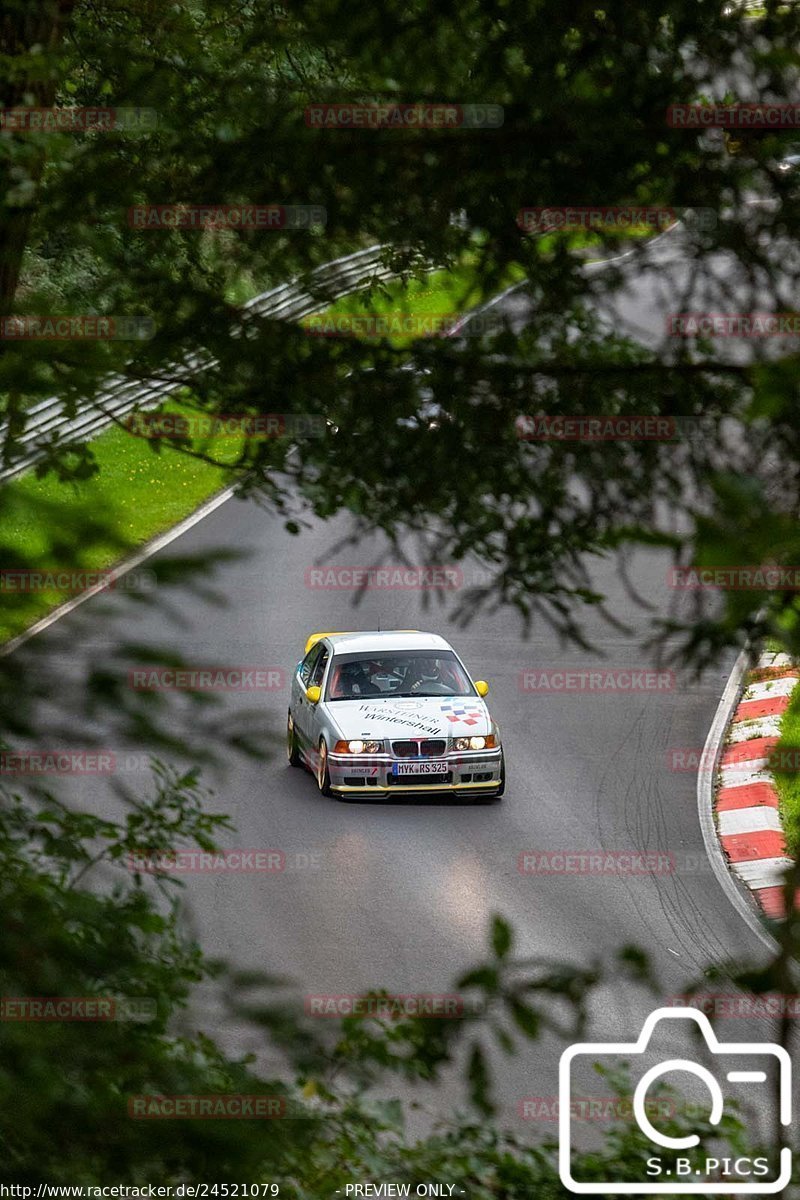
<point>309,662</point>
<point>318,669</point>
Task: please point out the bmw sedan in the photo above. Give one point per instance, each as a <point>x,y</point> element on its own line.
<point>392,713</point>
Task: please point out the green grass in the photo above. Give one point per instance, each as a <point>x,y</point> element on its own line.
<point>787,782</point>
<point>452,293</point>
<point>91,525</point>
<point>442,293</point>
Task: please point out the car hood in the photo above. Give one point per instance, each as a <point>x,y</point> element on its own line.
<point>423,716</point>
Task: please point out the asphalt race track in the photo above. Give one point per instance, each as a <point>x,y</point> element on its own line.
<point>399,895</point>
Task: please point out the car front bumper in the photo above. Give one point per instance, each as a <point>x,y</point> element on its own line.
<point>465,773</point>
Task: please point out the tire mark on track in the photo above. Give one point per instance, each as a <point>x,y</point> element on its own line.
<point>643,819</point>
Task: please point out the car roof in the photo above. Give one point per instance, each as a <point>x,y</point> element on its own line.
<point>386,639</point>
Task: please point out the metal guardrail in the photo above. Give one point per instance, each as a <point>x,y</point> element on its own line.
<point>46,424</point>
<point>753,8</point>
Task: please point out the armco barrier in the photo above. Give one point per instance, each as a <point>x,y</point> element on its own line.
<point>46,424</point>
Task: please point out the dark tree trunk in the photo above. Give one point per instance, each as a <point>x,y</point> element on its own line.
<point>24,24</point>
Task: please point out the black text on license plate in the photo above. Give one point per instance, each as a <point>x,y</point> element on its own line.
<point>431,767</point>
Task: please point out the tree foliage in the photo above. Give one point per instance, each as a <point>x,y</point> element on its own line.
<point>585,93</point>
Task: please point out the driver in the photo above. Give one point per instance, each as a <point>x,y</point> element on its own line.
<point>426,671</point>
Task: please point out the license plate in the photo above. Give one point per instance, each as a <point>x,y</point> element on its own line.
<point>433,766</point>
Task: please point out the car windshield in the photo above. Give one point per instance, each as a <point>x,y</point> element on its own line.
<point>398,673</point>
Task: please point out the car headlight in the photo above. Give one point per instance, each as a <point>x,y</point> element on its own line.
<point>358,747</point>
<point>475,743</point>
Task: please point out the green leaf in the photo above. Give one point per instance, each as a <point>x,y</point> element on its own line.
<point>524,1017</point>
<point>479,1080</point>
<point>501,937</point>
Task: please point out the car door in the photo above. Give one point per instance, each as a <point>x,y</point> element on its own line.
<point>301,709</point>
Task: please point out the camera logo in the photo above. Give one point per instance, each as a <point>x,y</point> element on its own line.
<point>679,1165</point>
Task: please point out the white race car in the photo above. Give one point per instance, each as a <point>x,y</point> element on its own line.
<point>392,713</point>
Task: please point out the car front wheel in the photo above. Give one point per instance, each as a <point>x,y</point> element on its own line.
<point>323,774</point>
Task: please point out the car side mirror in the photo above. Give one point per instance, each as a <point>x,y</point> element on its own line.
<point>313,694</point>
<point>481,687</point>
